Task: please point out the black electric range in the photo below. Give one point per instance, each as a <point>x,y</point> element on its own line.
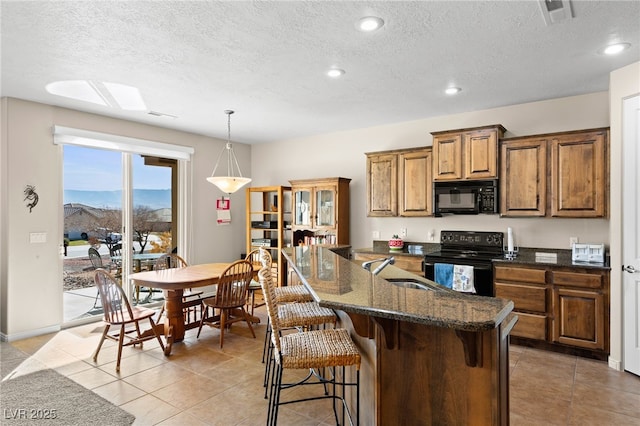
<point>476,249</point>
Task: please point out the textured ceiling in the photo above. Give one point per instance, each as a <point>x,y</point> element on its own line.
<point>267,60</point>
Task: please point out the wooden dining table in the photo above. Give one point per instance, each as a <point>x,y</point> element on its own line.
<point>173,281</point>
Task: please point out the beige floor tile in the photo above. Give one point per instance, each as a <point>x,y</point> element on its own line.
<point>73,367</point>
<point>160,376</point>
<point>150,410</point>
<point>93,378</point>
<point>119,392</point>
<point>189,392</point>
<point>619,402</point>
<point>540,410</point>
<point>133,364</point>
<point>184,419</point>
<point>589,415</point>
<point>590,372</point>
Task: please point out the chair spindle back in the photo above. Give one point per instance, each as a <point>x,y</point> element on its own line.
<point>114,302</point>
<point>233,285</point>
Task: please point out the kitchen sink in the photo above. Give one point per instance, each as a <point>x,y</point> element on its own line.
<point>410,283</point>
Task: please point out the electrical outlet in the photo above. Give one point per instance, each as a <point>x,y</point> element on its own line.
<point>431,236</point>
<point>403,232</point>
<point>375,234</point>
<point>572,241</point>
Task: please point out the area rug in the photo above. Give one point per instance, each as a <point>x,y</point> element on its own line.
<point>47,397</point>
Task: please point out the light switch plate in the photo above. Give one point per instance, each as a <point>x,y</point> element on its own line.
<point>37,237</point>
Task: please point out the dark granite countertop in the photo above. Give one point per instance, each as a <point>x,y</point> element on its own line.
<point>409,249</point>
<point>340,284</point>
<point>527,256</point>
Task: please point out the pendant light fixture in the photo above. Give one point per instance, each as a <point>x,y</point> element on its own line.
<point>229,183</point>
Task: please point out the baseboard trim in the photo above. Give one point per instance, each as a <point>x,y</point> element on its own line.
<point>615,364</point>
<point>27,334</point>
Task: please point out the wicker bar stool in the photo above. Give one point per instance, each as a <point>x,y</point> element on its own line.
<point>287,294</point>
<point>302,315</point>
<point>315,350</point>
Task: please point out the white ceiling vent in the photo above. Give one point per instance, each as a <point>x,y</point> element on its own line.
<point>554,11</point>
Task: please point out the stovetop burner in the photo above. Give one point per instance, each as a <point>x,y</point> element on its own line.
<point>471,243</point>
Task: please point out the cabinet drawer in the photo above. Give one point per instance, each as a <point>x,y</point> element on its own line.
<point>525,297</point>
<point>511,273</point>
<point>409,264</point>
<point>575,279</point>
<point>530,326</point>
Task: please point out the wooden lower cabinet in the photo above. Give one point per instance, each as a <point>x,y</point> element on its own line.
<point>566,307</point>
<point>579,310</point>
<point>408,263</point>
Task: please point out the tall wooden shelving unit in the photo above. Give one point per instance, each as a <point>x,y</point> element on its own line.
<point>269,223</point>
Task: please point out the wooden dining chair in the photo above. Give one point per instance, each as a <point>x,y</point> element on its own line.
<point>118,312</point>
<point>191,299</point>
<point>231,296</point>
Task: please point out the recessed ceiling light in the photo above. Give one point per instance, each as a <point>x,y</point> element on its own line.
<point>335,73</point>
<point>452,90</point>
<point>113,95</point>
<point>614,49</point>
<point>369,23</point>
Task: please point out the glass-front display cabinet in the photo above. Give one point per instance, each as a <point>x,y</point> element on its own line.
<point>320,211</point>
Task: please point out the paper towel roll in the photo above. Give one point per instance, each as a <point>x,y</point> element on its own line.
<point>509,239</point>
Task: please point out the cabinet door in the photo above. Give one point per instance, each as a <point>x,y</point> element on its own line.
<point>447,156</point>
<point>523,178</point>
<point>382,185</point>
<point>578,175</point>
<point>579,318</point>
<point>302,207</point>
<point>481,154</point>
<point>325,207</point>
<point>416,186</point>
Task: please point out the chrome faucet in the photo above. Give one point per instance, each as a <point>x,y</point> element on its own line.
<point>385,261</point>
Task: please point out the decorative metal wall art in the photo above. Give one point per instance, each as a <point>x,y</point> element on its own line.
<point>31,197</point>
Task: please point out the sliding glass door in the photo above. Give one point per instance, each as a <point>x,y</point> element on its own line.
<point>104,191</point>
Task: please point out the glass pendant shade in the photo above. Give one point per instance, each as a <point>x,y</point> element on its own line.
<point>229,183</point>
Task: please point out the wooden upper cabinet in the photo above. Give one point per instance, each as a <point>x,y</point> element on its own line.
<point>523,177</point>
<point>466,153</point>
<point>382,184</point>
<point>481,154</point>
<point>415,189</point>
<point>447,156</point>
<point>579,174</point>
<point>556,174</point>
<point>399,182</point>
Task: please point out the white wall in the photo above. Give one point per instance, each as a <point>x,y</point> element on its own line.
<point>31,273</point>
<point>343,154</point>
<point>624,83</point>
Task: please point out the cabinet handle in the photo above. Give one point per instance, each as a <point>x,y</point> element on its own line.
<point>630,269</point>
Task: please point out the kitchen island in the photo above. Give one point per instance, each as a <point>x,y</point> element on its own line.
<point>430,355</point>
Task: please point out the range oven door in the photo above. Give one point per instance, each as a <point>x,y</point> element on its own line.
<point>482,272</point>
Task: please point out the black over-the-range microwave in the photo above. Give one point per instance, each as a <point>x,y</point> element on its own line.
<point>465,197</point>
